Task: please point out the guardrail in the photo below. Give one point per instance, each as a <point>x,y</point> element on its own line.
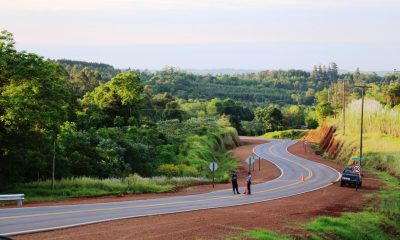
<point>19,198</point>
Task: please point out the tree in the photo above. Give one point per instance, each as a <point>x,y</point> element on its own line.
<point>293,116</point>
<point>392,94</point>
<point>311,123</point>
<point>322,96</point>
<point>324,110</point>
<point>34,102</point>
<point>172,111</point>
<point>121,96</point>
<point>83,80</point>
<point>271,117</point>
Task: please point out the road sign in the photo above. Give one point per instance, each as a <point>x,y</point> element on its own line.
<point>357,158</point>
<point>250,160</point>
<point>213,166</point>
<point>357,169</point>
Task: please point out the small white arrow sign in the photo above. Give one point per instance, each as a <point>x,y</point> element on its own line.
<point>213,166</point>
<point>250,160</point>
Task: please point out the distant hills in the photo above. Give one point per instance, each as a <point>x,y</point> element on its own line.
<point>216,71</point>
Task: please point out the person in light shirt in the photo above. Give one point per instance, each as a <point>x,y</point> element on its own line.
<point>248,183</point>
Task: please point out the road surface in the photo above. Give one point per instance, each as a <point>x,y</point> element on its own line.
<point>15,221</point>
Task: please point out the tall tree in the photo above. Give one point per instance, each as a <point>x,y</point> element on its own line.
<point>271,116</point>
<point>120,97</point>
<point>34,102</point>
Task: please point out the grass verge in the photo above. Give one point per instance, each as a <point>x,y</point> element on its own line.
<point>286,134</point>
<point>261,234</point>
<point>380,220</point>
<point>90,187</point>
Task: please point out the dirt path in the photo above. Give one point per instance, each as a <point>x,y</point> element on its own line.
<point>282,215</point>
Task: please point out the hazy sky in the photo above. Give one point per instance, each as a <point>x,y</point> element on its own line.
<point>245,34</point>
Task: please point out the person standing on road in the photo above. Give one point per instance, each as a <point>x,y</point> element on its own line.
<point>234,178</point>
<point>248,183</point>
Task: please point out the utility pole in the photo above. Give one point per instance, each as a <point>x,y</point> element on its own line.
<point>335,98</point>
<point>54,162</point>
<point>344,106</point>
<point>363,89</point>
<point>329,89</point>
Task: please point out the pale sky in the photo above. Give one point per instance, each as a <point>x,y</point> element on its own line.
<point>212,34</point>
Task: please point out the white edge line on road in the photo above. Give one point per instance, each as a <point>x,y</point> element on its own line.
<point>339,174</point>
<point>182,211</point>
<point>156,214</point>
<point>280,169</point>
<point>116,202</point>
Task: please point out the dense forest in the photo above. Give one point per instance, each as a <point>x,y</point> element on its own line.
<point>95,120</point>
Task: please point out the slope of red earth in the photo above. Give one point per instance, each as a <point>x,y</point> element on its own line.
<point>283,215</point>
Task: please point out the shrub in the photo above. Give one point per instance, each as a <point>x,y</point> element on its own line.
<point>187,171</point>
<point>311,123</point>
<point>169,170</point>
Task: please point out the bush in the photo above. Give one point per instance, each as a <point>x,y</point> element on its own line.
<point>187,171</point>
<point>169,170</point>
<point>119,121</point>
<point>311,123</point>
<point>287,134</point>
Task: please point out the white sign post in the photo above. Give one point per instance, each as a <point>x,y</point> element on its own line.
<point>213,167</point>
<point>250,160</point>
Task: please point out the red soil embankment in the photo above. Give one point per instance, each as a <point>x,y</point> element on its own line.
<point>325,137</point>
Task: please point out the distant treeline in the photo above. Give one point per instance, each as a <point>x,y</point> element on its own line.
<point>253,89</point>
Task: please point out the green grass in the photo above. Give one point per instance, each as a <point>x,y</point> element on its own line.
<point>261,234</point>
<point>90,187</point>
<point>286,134</point>
<point>380,220</point>
<point>200,151</point>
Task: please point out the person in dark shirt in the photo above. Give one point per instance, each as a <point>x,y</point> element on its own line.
<point>234,178</point>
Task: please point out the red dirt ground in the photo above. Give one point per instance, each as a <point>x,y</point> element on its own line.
<point>283,215</point>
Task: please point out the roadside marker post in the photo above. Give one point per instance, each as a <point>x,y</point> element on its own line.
<point>213,167</point>
<point>305,146</point>
<point>259,163</point>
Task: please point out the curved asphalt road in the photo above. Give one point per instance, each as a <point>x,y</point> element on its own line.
<point>33,219</point>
